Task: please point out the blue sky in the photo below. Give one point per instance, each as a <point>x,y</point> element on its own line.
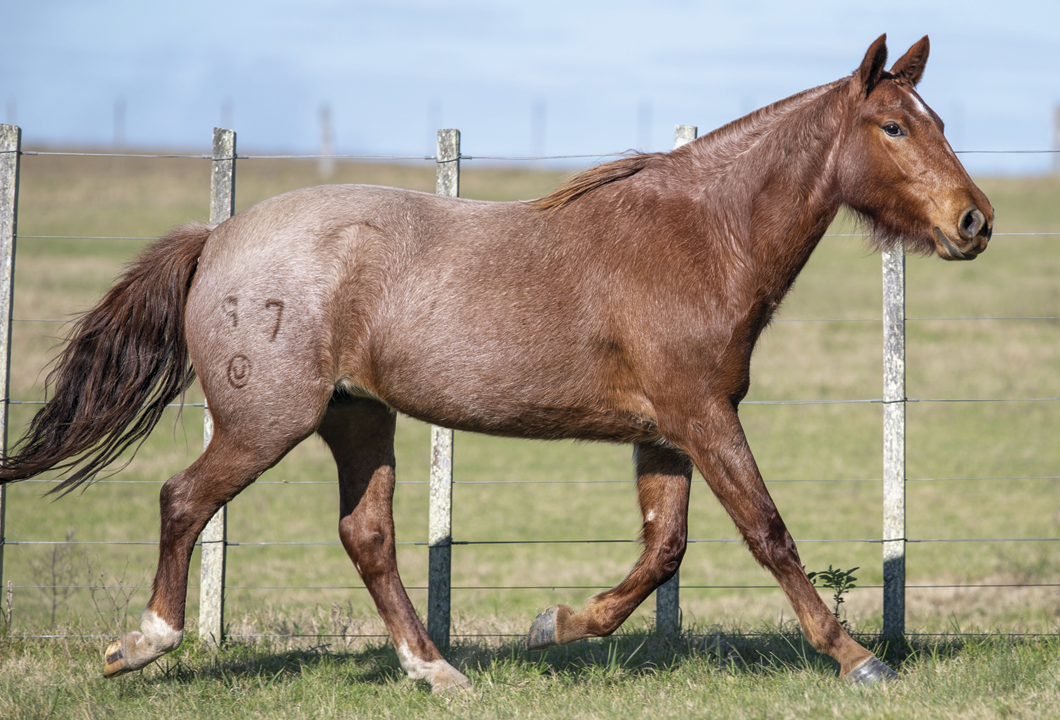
<point>604,76</point>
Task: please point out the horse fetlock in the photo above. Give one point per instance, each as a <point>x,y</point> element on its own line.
<point>442,676</point>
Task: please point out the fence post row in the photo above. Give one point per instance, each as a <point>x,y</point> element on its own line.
<point>894,443</point>
<point>10,157</point>
<point>214,550</point>
<point>214,536</point>
<point>440,514</point>
<point>668,596</point>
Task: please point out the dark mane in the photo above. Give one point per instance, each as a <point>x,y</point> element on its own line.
<point>597,176</point>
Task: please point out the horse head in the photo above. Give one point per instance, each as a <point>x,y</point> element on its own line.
<point>897,169</point>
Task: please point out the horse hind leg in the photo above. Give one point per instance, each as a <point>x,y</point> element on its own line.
<point>664,478</point>
<point>188,500</point>
<point>360,434</point>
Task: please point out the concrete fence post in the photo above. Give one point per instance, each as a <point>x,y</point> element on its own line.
<point>894,402</point>
<point>440,516</point>
<point>668,596</point>
<point>215,535</point>
<point>10,161</point>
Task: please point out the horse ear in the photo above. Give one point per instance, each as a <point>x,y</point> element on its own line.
<point>872,66</point>
<point>910,67</point>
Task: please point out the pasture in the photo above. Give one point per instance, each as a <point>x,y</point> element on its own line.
<point>978,470</point>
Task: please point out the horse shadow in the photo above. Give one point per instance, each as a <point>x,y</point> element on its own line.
<point>621,656</point>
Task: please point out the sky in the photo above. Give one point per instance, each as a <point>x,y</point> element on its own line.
<point>555,77</point>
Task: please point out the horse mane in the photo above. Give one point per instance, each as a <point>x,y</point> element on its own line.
<point>739,132</point>
<point>735,137</point>
<point>593,178</point>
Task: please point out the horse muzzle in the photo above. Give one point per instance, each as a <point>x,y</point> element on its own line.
<point>972,237</point>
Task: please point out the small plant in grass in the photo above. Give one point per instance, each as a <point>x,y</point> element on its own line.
<point>838,581</point>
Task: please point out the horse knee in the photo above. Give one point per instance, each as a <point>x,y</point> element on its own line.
<point>773,547</point>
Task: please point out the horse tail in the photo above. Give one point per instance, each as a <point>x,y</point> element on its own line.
<point>124,361</point>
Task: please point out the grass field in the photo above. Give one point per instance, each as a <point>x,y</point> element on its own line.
<point>977,470</point>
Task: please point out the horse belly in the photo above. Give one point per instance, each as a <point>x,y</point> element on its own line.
<point>512,384</point>
<point>523,417</point>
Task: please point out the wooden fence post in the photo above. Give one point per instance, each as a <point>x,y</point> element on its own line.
<point>440,516</point>
<point>668,596</point>
<point>215,535</point>
<point>894,402</point>
<point>10,160</point>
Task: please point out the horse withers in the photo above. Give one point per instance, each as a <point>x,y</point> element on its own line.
<point>623,307</point>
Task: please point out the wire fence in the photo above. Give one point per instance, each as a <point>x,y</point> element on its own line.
<point>444,542</point>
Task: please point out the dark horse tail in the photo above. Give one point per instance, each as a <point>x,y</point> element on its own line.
<point>125,360</point>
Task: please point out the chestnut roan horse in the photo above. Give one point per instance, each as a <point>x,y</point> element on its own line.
<point>623,307</point>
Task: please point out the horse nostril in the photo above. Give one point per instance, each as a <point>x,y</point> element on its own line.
<point>971,222</point>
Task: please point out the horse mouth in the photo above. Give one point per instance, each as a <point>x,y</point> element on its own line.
<point>948,251</point>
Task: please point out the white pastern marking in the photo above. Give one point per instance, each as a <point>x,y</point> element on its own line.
<point>416,668</point>
<point>158,633</point>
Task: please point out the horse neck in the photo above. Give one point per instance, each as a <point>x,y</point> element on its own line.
<point>770,181</point>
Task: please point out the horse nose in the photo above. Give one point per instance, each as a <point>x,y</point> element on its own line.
<point>972,221</point>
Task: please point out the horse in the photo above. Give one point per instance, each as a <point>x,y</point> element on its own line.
<point>622,307</point>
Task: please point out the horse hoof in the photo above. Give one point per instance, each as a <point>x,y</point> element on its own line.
<point>450,682</point>
<point>870,672</point>
<point>114,663</point>
<point>543,632</point>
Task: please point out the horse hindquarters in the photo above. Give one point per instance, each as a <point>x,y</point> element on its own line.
<point>265,391</point>
<point>360,434</point>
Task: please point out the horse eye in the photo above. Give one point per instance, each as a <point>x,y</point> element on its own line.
<point>893,129</point>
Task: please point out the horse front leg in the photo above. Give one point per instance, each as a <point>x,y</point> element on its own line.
<point>361,437</point>
<point>719,449</point>
<point>664,477</point>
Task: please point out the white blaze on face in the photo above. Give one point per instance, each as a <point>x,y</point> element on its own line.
<point>919,105</point>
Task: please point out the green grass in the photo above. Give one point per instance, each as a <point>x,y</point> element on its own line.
<point>713,674</point>
<point>978,470</point>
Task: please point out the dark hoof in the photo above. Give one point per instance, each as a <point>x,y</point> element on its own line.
<point>870,672</point>
<point>543,632</point>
